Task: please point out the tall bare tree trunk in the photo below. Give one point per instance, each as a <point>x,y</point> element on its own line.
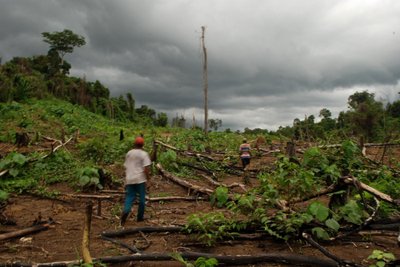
<point>205,80</point>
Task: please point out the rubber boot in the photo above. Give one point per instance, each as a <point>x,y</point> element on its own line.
<point>124,216</point>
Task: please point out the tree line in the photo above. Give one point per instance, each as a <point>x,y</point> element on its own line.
<point>367,119</point>
<point>47,75</point>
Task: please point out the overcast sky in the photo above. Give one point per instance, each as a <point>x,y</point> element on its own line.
<point>269,62</point>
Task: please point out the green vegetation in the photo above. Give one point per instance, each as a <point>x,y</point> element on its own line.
<point>44,76</point>
<point>367,119</point>
<point>40,100</point>
<point>381,258</point>
<point>291,182</point>
<point>200,262</point>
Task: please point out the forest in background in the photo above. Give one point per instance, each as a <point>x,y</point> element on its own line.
<point>44,76</point>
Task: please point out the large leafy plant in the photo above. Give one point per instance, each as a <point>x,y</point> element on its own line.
<point>14,163</point>
<point>89,176</point>
<point>211,227</point>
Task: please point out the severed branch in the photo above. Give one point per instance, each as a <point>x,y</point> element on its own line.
<point>200,156</point>
<point>57,147</point>
<point>148,242</point>
<point>326,191</point>
<point>197,168</point>
<point>26,231</point>
<point>280,203</point>
<point>229,260</point>
<point>215,183</point>
<point>324,251</point>
<point>363,225</point>
<point>144,229</point>
<point>187,153</point>
<point>183,183</point>
<point>3,172</point>
<point>371,190</point>
<point>155,199</point>
<point>122,244</point>
<point>173,198</point>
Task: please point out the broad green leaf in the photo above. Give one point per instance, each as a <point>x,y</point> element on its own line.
<point>84,180</point>
<point>19,158</point>
<point>332,224</point>
<point>3,195</point>
<point>351,212</point>
<point>310,154</point>
<point>3,164</point>
<point>389,256</point>
<point>319,211</point>
<point>221,196</point>
<point>320,233</point>
<point>307,217</point>
<point>14,172</point>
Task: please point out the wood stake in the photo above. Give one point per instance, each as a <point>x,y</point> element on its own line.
<point>86,234</point>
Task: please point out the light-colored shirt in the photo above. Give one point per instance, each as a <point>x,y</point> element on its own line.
<point>244,150</point>
<point>135,162</point>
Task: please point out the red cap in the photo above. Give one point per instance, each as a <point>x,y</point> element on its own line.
<point>139,141</point>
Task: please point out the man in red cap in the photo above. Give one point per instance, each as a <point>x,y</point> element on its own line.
<point>137,173</point>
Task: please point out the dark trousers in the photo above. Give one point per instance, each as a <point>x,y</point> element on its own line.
<point>131,190</point>
<point>245,162</point>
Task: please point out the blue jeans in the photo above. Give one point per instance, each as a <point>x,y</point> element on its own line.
<point>131,190</point>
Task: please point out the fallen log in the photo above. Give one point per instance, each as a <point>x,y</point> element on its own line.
<point>215,183</point>
<point>178,198</point>
<point>199,169</point>
<point>245,234</point>
<point>188,153</point>
<point>229,260</point>
<point>369,189</point>
<point>232,169</point>
<point>155,199</point>
<point>183,183</point>
<point>328,190</point>
<point>145,229</point>
<point>389,226</point>
<point>340,262</point>
<point>282,204</point>
<point>24,232</point>
<point>91,196</point>
<point>122,244</point>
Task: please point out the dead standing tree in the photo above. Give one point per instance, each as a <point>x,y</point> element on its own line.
<point>205,80</point>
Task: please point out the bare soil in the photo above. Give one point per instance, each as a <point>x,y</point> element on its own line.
<point>62,242</point>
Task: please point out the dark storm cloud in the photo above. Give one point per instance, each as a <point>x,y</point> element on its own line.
<point>268,61</point>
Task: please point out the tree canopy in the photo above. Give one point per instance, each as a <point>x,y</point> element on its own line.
<point>63,42</point>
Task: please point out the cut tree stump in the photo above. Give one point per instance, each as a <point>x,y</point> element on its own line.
<point>21,139</point>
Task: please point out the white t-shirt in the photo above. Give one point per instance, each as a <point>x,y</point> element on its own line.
<point>135,161</point>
